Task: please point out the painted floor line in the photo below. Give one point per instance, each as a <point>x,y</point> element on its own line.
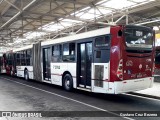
<point>141,97</point>
<point>69,99</point>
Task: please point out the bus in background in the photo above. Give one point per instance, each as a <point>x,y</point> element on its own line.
<point>157,61</point>
<point>3,63</point>
<point>10,63</point>
<point>13,59</point>
<point>23,62</point>
<point>113,60</point>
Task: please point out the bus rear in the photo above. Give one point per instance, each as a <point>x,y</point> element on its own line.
<point>133,68</point>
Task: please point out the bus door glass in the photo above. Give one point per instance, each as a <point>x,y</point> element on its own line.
<point>84,64</point>
<point>101,60</point>
<point>46,63</point>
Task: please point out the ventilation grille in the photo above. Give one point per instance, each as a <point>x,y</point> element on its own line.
<point>99,71</point>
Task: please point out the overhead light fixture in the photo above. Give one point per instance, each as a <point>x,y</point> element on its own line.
<point>156,28</point>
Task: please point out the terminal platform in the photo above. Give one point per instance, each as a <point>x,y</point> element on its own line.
<point>153,92</point>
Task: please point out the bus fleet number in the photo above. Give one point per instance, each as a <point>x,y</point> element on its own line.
<point>56,67</point>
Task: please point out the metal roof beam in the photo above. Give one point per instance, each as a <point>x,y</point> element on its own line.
<point>40,14</point>
<point>16,15</point>
<point>95,1</point>
<point>132,10</point>
<point>7,7</point>
<point>61,7</point>
<point>1,1</point>
<point>12,5</point>
<point>71,1</point>
<point>35,20</point>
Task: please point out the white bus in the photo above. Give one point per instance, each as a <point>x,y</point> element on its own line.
<point>111,60</point>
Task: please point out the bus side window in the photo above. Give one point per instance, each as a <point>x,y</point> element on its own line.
<point>57,53</point>
<point>69,52</point>
<point>22,58</point>
<point>18,59</point>
<point>9,59</point>
<point>102,41</point>
<point>28,57</point>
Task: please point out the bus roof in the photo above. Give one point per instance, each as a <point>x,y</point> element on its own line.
<point>22,48</point>
<point>89,34</point>
<point>75,37</point>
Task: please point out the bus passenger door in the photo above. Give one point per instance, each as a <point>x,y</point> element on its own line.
<point>46,63</point>
<point>84,63</point>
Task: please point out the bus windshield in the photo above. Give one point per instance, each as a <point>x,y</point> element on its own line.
<point>138,38</point>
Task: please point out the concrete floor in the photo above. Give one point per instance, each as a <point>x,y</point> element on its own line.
<point>19,95</point>
<point>154,91</point>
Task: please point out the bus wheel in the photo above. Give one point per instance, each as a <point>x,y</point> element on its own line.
<point>26,75</point>
<point>68,82</point>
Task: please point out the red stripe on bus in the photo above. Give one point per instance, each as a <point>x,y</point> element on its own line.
<point>100,80</point>
<point>61,75</point>
<point>23,70</point>
<point>56,74</point>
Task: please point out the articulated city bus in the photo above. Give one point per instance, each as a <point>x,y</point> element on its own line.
<point>113,60</point>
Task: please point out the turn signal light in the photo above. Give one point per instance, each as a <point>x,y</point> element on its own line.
<point>120,70</point>
<point>153,69</point>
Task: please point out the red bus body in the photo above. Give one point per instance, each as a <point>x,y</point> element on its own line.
<point>9,62</point>
<point>131,66</point>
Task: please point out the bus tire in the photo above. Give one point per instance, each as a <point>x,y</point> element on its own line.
<point>26,75</point>
<point>68,82</point>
